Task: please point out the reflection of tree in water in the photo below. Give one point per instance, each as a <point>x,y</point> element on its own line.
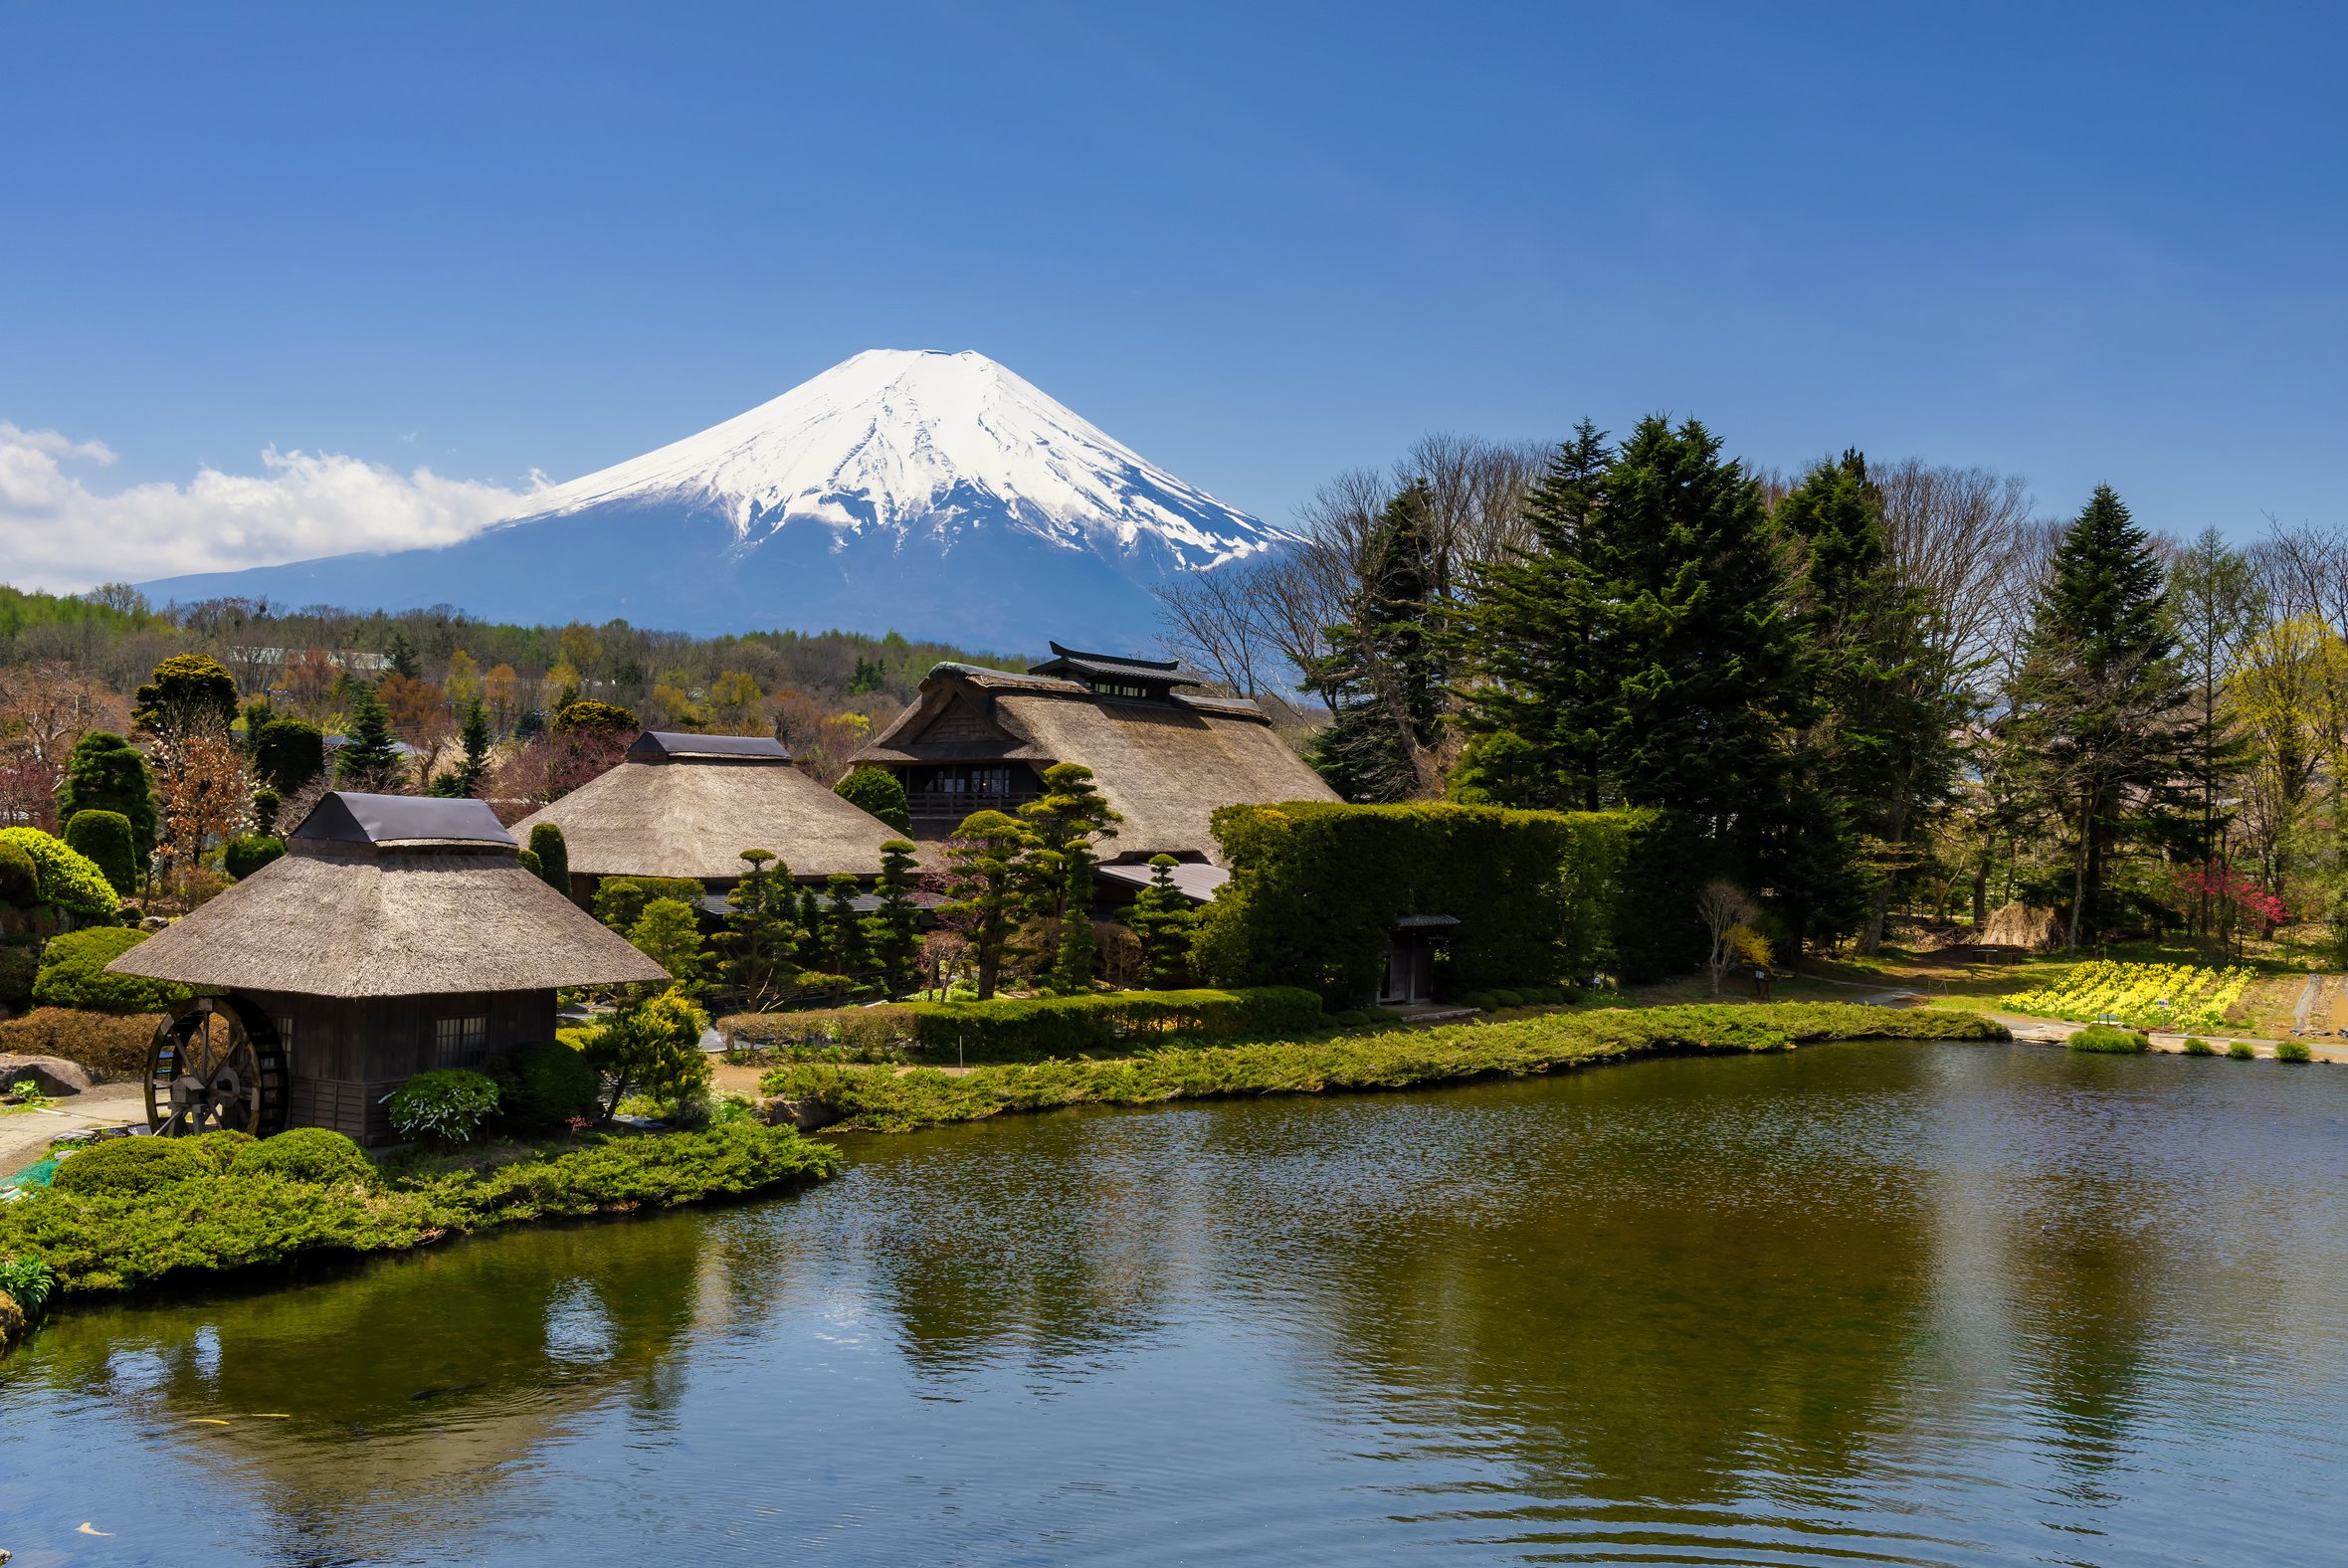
<point>406,1386</point>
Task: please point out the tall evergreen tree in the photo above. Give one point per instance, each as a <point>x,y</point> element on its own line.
<point>2218,605</point>
<point>107,773</point>
<point>761,930</point>
<point>1384,671</point>
<point>896,926</point>
<point>1163,921</point>
<point>2101,699</point>
<point>475,738</point>
<point>984,881</point>
<point>1533,701</point>
<point>844,930</point>
<point>1062,825</point>
<point>368,759</point>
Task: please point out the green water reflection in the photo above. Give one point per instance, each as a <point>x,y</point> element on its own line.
<point>1880,1302</point>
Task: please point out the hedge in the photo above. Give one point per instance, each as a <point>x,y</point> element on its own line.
<point>73,974</point>
<point>104,838</point>
<point>1005,1028</point>
<point>249,1214</point>
<point>1540,896</point>
<point>68,879</point>
<point>892,1099</point>
<point>109,1047</point>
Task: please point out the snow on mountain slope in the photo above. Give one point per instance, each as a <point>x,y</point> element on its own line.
<point>937,494</point>
<point>920,441</point>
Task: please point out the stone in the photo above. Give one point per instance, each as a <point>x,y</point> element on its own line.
<point>2020,925</point>
<point>54,1075</point>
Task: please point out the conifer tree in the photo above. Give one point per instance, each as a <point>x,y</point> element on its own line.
<point>107,773</point>
<point>761,931</point>
<point>1072,966</point>
<point>368,759</point>
<point>895,928</point>
<point>985,883</point>
<point>555,857</point>
<point>1063,826</point>
<point>1163,920</point>
<point>844,930</point>
<point>2100,699</point>
<point>810,928</point>
<point>187,692</point>
<point>475,738</point>
<point>1385,672</point>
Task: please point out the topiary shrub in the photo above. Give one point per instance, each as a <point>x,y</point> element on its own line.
<point>247,853</point>
<point>2200,1048</point>
<point>110,1047</point>
<point>19,878</point>
<point>2294,1051</point>
<point>620,900</point>
<point>542,1084</point>
<point>1481,1001</point>
<point>446,1108</point>
<point>122,1167</point>
<point>288,753</point>
<point>19,963</point>
<point>2242,1050</point>
<point>105,837</point>
<point>554,855</point>
<point>2110,1040</point>
<point>312,1154</point>
<point>73,974</point>
<point>876,792</point>
<point>1507,999</point>
<point>65,877</point>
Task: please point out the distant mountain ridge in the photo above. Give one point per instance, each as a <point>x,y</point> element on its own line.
<point>938,494</point>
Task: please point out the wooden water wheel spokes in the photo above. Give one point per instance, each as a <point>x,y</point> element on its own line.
<point>219,1065</point>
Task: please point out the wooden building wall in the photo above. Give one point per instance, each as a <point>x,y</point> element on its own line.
<point>348,1054</point>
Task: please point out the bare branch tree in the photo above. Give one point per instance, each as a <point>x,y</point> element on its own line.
<point>1723,906</point>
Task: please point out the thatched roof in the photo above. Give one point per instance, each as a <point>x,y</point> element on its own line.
<point>412,899</point>
<point>670,814</point>
<point>1165,763</point>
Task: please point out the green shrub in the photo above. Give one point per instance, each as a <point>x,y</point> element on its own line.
<point>247,853</point>
<point>287,753</point>
<point>1007,1029</point>
<point>620,900</point>
<point>114,1240</point>
<point>2294,1051</point>
<point>656,1046</point>
<point>876,792</point>
<point>107,1046</point>
<point>26,1282</point>
<point>553,856</point>
<point>73,974</point>
<point>2200,1048</point>
<point>543,1083</point>
<point>66,877</point>
<point>446,1108</point>
<point>20,877</point>
<point>105,837</point>
<point>1508,998</point>
<point>19,963</point>
<point>2242,1050</point>
<point>2109,1038</point>
<point>311,1154</point>
<point>121,1167</point>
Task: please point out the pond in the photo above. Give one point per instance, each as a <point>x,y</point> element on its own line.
<point>1938,1304</point>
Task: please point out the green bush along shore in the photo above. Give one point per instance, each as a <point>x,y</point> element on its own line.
<point>891,1099</point>
<point>1007,1029</point>
<point>131,1211</point>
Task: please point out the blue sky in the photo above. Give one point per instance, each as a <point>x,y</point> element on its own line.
<point>1260,244</point>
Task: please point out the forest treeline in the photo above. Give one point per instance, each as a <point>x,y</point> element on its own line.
<point>1867,687</point>
<point>72,664</point>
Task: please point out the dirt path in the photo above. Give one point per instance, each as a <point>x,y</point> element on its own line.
<point>24,1135</point>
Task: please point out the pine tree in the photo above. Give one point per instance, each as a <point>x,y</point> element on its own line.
<point>1163,921</point>
<point>368,761</point>
<point>895,928</point>
<point>761,930</point>
<point>2218,603</point>
<point>844,930</point>
<point>1072,966</point>
<point>1385,672</point>
<point>985,883</point>
<point>810,928</point>
<point>1533,702</point>
<point>669,934</point>
<point>2101,700</point>
<point>402,657</point>
<point>476,739</point>
<point>1057,868</point>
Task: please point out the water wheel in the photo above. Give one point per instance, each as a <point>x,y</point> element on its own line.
<point>218,1064</point>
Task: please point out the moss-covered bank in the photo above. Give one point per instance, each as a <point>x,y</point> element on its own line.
<point>888,1099</point>
<point>206,1210</point>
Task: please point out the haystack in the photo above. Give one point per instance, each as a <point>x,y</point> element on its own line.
<point>687,806</point>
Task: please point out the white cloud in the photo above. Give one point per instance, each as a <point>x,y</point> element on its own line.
<point>58,534</point>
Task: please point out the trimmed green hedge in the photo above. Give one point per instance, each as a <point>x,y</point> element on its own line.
<point>1542,896</point>
<point>73,974</point>
<point>1007,1029</point>
<point>2110,1040</point>
<point>210,1220</point>
<point>889,1100</point>
<point>68,879</point>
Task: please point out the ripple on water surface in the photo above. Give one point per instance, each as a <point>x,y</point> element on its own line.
<point>1857,1303</point>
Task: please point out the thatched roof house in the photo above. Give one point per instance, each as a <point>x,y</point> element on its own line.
<point>1165,760</point>
<point>396,934</point>
<point>687,806</point>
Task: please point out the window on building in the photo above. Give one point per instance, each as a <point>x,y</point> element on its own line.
<point>459,1042</point>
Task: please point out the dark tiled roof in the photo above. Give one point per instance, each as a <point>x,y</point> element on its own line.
<point>656,744</point>
<point>346,817</point>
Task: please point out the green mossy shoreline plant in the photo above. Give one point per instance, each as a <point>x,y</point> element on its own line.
<point>2109,1040</point>
<point>888,1100</point>
<point>255,1210</point>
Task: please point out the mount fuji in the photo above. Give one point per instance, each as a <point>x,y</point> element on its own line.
<point>938,494</point>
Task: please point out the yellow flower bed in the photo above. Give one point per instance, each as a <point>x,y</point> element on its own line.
<point>2169,997</point>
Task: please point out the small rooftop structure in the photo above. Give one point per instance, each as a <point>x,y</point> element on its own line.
<point>1114,675</point>
<point>1194,879</point>
<point>347,817</point>
<point>687,806</point>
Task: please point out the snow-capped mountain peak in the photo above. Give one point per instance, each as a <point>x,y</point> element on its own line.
<point>920,441</point>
